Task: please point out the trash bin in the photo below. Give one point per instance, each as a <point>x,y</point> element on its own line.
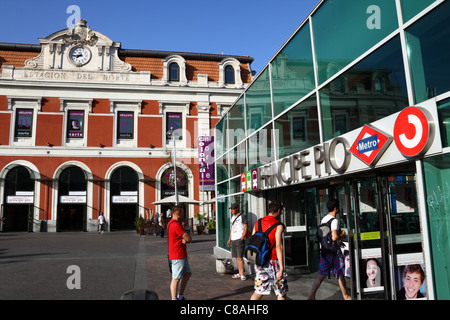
<point>224,266</point>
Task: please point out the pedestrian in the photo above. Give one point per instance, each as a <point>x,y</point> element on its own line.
<point>272,274</point>
<point>332,261</point>
<point>239,227</point>
<point>177,239</point>
<point>101,223</point>
<point>160,222</point>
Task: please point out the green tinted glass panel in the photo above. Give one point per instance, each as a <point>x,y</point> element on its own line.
<point>223,222</point>
<point>298,129</point>
<point>221,169</point>
<point>345,29</point>
<point>293,71</point>
<point>222,189</point>
<point>260,150</point>
<point>437,177</point>
<point>444,121</point>
<point>373,89</point>
<point>219,137</point>
<point>258,104</point>
<point>428,48</point>
<point>236,124</point>
<point>224,214</point>
<point>237,160</point>
<point>235,185</point>
<point>412,7</point>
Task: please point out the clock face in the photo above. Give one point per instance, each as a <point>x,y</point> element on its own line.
<point>80,55</point>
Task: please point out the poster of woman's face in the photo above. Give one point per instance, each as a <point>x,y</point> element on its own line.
<point>348,270</point>
<point>371,275</point>
<point>410,280</point>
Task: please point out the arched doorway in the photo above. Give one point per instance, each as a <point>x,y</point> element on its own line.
<point>72,187</point>
<point>168,188</point>
<point>18,200</point>
<point>124,198</point>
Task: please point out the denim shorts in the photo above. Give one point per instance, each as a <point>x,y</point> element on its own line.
<point>180,267</point>
<point>237,248</point>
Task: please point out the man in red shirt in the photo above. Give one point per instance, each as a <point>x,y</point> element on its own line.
<point>177,239</point>
<point>272,274</point>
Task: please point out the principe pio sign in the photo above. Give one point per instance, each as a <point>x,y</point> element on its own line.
<point>414,131</point>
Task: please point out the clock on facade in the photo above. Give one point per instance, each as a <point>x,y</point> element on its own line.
<point>79,55</point>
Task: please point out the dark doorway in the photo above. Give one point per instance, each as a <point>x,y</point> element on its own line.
<point>71,214</point>
<point>71,217</point>
<point>124,199</point>
<point>18,200</point>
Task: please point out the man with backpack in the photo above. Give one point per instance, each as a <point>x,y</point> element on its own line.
<point>271,274</point>
<point>331,259</point>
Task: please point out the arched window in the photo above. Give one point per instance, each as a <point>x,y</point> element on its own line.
<point>123,179</point>
<point>18,179</point>
<point>72,179</point>
<point>168,188</point>
<point>229,74</point>
<point>174,72</point>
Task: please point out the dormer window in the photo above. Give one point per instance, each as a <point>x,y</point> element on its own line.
<point>229,74</point>
<point>174,72</point>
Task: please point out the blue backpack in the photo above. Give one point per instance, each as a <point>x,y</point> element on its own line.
<point>259,248</point>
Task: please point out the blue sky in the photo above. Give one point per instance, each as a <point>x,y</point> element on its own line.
<point>257,28</point>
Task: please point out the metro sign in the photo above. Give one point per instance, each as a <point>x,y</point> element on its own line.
<point>414,131</point>
<point>370,145</point>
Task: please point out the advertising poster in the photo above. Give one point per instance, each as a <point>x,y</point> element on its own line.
<point>206,162</point>
<point>370,270</point>
<point>125,125</point>
<point>174,122</point>
<point>410,276</point>
<point>346,253</point>
<point>23,123</point>
<point>75,124</point>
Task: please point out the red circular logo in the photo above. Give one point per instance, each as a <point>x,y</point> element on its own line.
<point>412,131</point>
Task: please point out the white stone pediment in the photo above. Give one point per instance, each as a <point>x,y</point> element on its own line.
<point>78,49</point>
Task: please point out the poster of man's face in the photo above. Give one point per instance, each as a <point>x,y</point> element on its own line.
<point>410,282</point>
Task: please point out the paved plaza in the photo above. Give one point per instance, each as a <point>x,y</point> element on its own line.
<point>118,265</point>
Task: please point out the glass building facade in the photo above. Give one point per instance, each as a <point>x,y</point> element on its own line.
<point>349,64</point>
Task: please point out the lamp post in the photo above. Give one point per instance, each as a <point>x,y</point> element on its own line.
<point>172,133</point>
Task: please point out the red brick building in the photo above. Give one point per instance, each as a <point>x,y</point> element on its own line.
<point>84,128</point>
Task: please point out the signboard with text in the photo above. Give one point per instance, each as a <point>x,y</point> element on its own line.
<point>206,162</point>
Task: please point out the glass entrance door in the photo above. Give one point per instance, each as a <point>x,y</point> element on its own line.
<point>388,257</point>
<point>406,271</point>
<point>369,241</point>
